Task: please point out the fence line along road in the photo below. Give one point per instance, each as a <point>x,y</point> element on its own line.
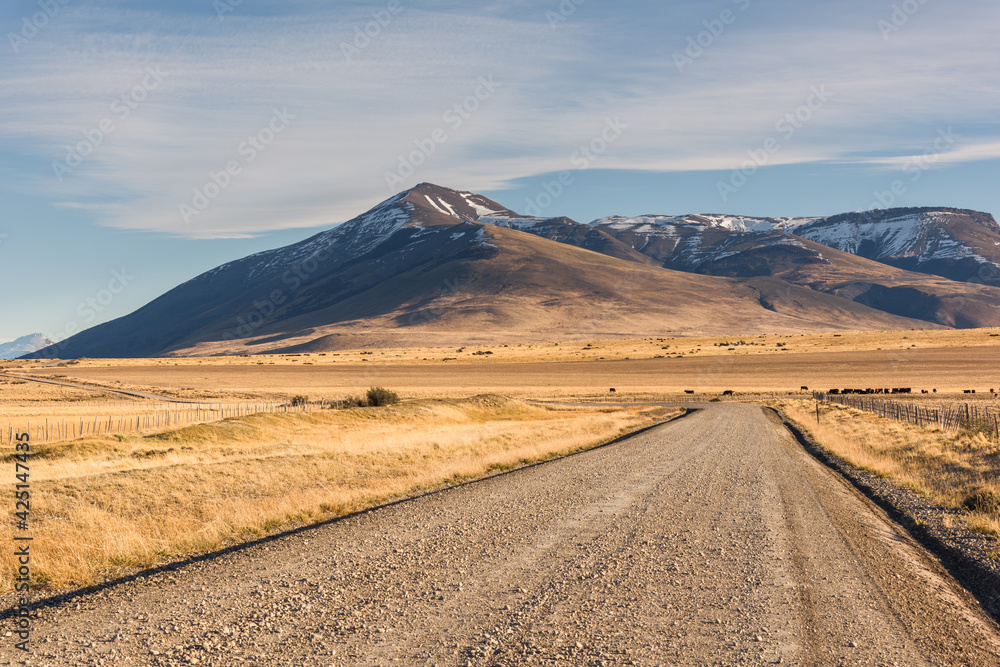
<point>948,417</point>
<point>149,421</point>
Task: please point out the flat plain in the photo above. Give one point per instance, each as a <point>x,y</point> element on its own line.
<point>714,539</point>
<point>949,361</point>
<point>111,504</point>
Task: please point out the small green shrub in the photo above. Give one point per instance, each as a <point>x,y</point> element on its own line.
<point>378,396</point>
<point>300,399</point>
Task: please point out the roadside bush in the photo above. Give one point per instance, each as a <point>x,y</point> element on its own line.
<point>987,502</point>
<point>300,399</point>
<point>378,396</point>
<point>373,398</point>
<point>353,401</point>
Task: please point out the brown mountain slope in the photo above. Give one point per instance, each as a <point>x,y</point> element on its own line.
<point>715,250</point>
<point>425,268</point>
<point>893,290</point>
<point>535,289</point>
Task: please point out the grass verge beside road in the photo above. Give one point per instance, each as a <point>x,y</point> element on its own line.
<point>952,469</point>
<point>103,506</point>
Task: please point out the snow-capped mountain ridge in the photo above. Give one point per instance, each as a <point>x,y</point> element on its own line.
<point>24,345</point>
<point>735,223</point>
<point>418,208</point>
<point>954,243</point>
<point>393,270</point>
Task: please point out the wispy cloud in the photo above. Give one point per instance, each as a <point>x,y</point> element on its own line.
<point>354,118</point>
<point>974,152</point>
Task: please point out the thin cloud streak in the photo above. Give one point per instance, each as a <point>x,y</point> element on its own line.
<point>355,120</point>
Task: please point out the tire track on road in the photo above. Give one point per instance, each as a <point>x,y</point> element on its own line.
<point>710,540</point>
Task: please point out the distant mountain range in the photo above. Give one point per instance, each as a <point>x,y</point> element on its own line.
<point>24,345</point>
<point>434,266</point>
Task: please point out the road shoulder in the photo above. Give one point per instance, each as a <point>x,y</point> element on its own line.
<point>972,558</point>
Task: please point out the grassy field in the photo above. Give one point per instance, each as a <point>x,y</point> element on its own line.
<point>104,505</point>
<point>949,468</point>
<point>589,350</point>
<point>948,369</point>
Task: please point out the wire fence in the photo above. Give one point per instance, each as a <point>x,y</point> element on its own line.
<point>150,420</point>
<point>952,417</point>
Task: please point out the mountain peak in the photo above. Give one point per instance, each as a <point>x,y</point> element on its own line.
<point>430,204</point>
<point>24,345</point>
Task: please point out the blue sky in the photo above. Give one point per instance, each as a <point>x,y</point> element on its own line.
<point>158,140</point>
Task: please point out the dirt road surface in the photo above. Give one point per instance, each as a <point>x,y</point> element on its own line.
<point>713,540</point>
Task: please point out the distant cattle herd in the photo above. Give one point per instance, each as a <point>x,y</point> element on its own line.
<point>869,390</point>
<point>894,390</point>
<point>879,390</point>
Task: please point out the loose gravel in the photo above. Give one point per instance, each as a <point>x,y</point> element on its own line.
<point>712,540</point>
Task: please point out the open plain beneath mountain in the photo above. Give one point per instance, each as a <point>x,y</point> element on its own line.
<point>714,539</point>
<point>552,370</point>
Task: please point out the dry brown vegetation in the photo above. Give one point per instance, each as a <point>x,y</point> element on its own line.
<point>105,505</point>
<point>587,349</point>
<point>946,369</point>
<point>949,468</point>
<point>946,360</point>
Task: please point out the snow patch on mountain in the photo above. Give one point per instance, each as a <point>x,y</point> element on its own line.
<point>477,203</point>
<point>522,223</point>
<point>358,236</point>
<point>24,345</point>
<point>919,235</point>
<point>451,209</point>
<point>770,242</point>
<point>442,206</point>
<point>895,237</point>
<point>736,223</point>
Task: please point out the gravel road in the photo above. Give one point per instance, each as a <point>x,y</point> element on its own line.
<point>712,540</point>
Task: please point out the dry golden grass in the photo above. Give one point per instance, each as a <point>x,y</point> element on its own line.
<point>946,467</point>
<point>948,369</point>
<point>102,506</point>
<point>946,360</point>
<point>576,350</point>
<point>16,392</point>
